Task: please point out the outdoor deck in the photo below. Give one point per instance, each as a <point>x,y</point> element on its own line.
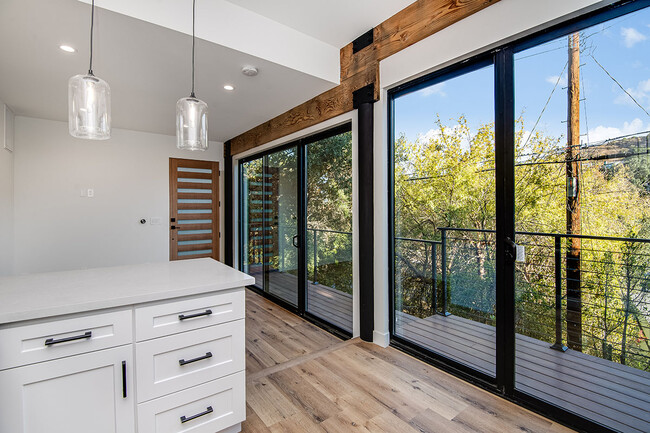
<point>324,302</point>
<point>612,394</point>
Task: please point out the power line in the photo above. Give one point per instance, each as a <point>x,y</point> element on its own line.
<point>619,85</point>
<point>547,102</point>
<point>584,100</point>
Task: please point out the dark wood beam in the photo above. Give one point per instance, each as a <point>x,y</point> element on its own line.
<point>407,27</point>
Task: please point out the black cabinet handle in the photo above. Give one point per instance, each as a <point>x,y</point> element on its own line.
<point>192,316</point>
<point>293,241</point>
<point>51,341</point>
<point>123,379</point>
<point>200,358</point>
<point>185,419</point>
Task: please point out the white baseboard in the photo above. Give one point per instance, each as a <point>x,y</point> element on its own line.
<point>381,338</point>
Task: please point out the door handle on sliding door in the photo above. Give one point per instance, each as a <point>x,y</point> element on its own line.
<point>293,241</point>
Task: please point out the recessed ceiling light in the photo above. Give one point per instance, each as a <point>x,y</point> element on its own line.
<point>67,48</point>
<point>228,87</point>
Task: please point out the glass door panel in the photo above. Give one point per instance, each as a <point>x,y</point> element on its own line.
<point>281,210</point>
<point>329,230</point>
<point>582,200</point>
<point>270,224</point>
<point>444,252</point>
<point>255,225</point>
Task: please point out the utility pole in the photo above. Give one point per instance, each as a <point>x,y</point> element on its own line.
<point>574,293</point>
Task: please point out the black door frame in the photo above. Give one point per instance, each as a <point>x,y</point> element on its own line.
<point>503,59</point>
<point>301,149</point>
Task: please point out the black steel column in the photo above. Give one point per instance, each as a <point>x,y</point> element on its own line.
<point>228,239</point>
<point>363,100</point>
<point>505,219</point>
<point>301,186</point>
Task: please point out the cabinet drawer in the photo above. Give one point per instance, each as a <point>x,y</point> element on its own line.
<point>173,317</point>
<point>169,364</point>
<point>225,397</point>
<point>39,342</point>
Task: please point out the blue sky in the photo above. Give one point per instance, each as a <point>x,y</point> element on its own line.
<point>621,46</point>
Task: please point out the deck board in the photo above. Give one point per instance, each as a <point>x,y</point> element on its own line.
<point>324,302</point>
<point>612,394</point>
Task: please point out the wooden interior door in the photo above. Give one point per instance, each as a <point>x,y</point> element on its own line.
<point>193,209</point>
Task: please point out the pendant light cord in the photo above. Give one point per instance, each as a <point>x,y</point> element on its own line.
<point>92,25</point>
<point>193,37</point>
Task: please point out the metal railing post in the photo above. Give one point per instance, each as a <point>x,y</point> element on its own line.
<point>434,278</point>
<point>558,296</point>
<point>315,258</point>
<point>443,248</point>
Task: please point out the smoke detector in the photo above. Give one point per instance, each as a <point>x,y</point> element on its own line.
<point>249,71</point>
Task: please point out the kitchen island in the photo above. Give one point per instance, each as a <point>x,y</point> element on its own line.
<point>150,348</point>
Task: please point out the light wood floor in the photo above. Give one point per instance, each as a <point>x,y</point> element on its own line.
<point>302,379</point>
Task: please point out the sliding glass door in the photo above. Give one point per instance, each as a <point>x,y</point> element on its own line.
<point>270,253</point>
<point>444,224</point>
<point>521,222</point>
<point>329,229</point>
<point>296,225</point>
<point>583,195</point>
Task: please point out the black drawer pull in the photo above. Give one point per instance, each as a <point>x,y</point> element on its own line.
<point>192,316</point>
<point>51,341</point>
<point>123,379</point>
<point>190,418</point>
<point>200,358</point>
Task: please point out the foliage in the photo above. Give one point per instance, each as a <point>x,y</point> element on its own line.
<point>447,180</point>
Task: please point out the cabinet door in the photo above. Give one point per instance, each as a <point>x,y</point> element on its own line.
<point>78,394</point>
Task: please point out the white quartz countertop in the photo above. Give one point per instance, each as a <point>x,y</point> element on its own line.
<point>55,293</point>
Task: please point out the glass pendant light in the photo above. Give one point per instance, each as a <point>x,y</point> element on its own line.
<point>192,113</point>
<point>89,101</point>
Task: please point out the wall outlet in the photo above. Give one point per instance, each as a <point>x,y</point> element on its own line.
<point>91,192</point>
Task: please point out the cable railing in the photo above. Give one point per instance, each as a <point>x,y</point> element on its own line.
<point>315,248</point>
<point>589,293</point>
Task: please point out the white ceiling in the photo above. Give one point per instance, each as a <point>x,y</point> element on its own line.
<point>147,65</point>
<point>336,22</point>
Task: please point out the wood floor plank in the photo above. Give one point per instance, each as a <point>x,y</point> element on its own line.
<point>387,422</point>
<point>268,402</point>
<point>349,421</point>
<point>304,396</point>
<point>299,422</point>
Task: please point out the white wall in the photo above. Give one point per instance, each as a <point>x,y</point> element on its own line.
<point>57,229</point>
<point>6,201</point>
<point>504,21</point>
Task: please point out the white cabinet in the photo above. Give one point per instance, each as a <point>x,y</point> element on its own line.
<point>91,392</point>
<point>182,358</point>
